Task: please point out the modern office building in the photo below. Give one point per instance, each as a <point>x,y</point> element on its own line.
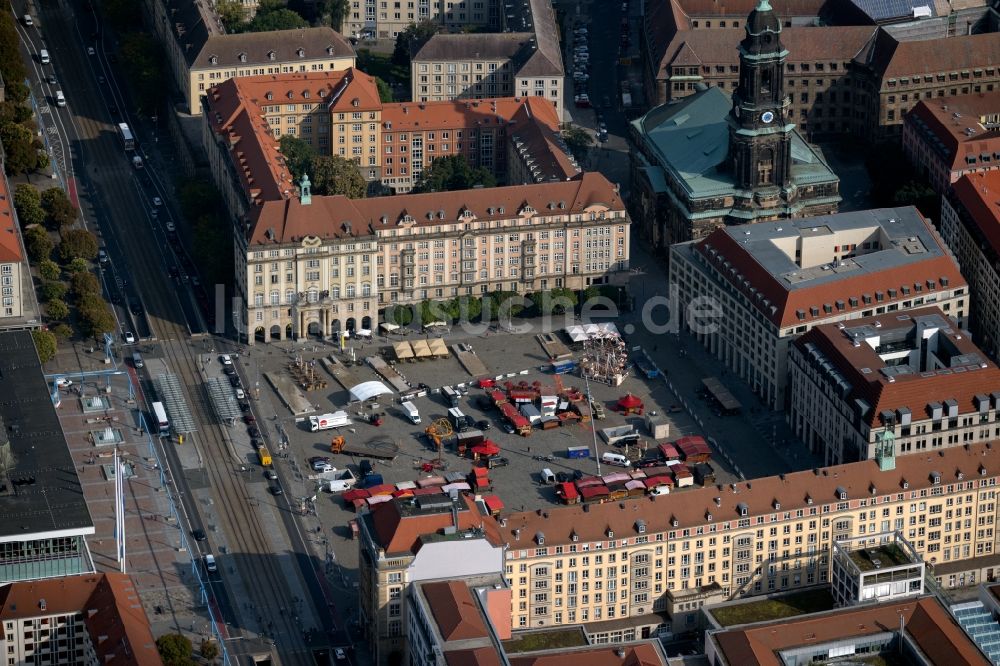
<point>776,280</point>
<point>44,519</point>
<point>84,619</point>
<point>949,137</point>
<point>318,265</point>
<point>914,631</point>
<point>716,160</point>
<point>912,381</point>
<point>875,567</point>
<point>970,225</point>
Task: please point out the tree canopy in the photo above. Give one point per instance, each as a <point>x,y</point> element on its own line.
<point>21,148</point>
<point>28,204</point>
<point>77,243</point>
<point>384,90</point>
<point>45,345</point>
<point>453,172</point>
<point>174,649</point>
<point>336,175</point>
<point>38,243</point>
<point>57,205</point>
<point>298,153</point>
<point>578,140</point>
<point>270,17</point>
<point>409,41</point>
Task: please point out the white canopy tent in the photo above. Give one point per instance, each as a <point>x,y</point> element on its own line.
<point>386,326</point>
<point>368,390</point>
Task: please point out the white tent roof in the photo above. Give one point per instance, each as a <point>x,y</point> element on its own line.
<point>367,390</point>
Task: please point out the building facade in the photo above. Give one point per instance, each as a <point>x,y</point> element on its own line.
<point>318,265</point>
<point>776,280</point>
<point>970,221</point>
<point>953,136</point>
<point>369,19</point>
<point>15,278</point>
<point>911,381</point>
<point>301,50</point>
<point>711,160</point>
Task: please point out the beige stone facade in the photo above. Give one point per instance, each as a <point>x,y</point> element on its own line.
<point>385,19</point>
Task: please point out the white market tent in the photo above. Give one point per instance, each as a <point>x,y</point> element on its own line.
<point>368,390</point>
<point>388,327</point>
<point>587,331</point>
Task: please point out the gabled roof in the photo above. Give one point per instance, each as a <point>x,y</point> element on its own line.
<point>954,128</point>
<point>925,622</point>
<point>979,194</point>
<point>257,48</point>
<point>454,610</point>
<point>288,221</point>
<point>110,605</point>
<point>10,242</point>
<point>466,113</point>
<point>473,46</point>
<point>398,527</point>
<point>889,58</point>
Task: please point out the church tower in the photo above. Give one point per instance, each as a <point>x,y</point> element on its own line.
<point>760,130</point>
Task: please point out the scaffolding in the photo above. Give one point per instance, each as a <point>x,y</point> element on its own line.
<point>605,359</point>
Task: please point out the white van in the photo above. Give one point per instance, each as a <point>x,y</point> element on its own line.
<point>43,56</point>
<point>615,459</point>
<point>411,412</point>
<point>548,476</point>
<point>60,98</point>
<point>210,565</point>
<point>27,20</point>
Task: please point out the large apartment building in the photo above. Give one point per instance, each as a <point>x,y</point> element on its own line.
<point>317,265</point>
<point>776,280</point>
<point>911,381</point>
<point>15,279</point>
<point>626,560</point>
<point>375,19</point>
<point>339,113</point>
<point>523,59</point>
<point>970,225</point>
<point>949,137</point>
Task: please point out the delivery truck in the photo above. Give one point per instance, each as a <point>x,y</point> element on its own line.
<point>411,412</point>
<point>327,421</point>
<point>340,481</point>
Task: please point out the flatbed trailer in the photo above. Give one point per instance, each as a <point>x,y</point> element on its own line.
<point>380,450</point>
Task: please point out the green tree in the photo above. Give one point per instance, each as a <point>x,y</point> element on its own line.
<point>269,20</point>
<point>123,14</point>
<point>336,175</point>
<point>384,90</point>
<point>409,41</point>
<point>174,649</point>
<point>145,65</point>
<point>38,244</point>
<point>555,301</point>
<point>49,270</point>
<point>505,304</point>
<point>57,205</point>
<point>57,309</point>
<point>920,194</point>
<point>578,140</point>
<point>232,15</point>
<point>77,243</point>
<point>83,284</point>
<point>209,649</point>
<point>78,265</point>
<point>20,148</point>
<point>470,308</point>
<point>52,291</point>
<point>62,331</point>
<point>45,345</point>
<point>400,315</point>
<point>96,318</point>
<point>197,197</point>
<point>298,153</point>
<point>453,172</point>
<point>28,204</point>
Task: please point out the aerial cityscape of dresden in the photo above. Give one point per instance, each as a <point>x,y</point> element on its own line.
<point>500,333</point>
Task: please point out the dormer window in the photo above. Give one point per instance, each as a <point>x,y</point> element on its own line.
<point>674,522</point>
<point>575,537</point>
<point>500,210</point>
<point>306,94</point>
<point>640,526</point>
<point>841,493</point>
<point>271,55</point>
<point>300,53</point>
<point>982,470</point>
<point>243,57</point>
<point>213,60</point>
<point>777,505</point>
<point>329,50</point>
<point>708,516</point>
<point>936,478</point>
<point>269,95</point>
<point>540,538</point>
<point>291,95</point>
<point>611,533</point>
<point>355,102</point>
<point>809,500</point>
<point>906,484</point>
<point>743,509</point>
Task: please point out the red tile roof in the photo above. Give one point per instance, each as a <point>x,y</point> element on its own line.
<point>111,609</point>
<point>10,242</point>
<point>638,654</point>
<point>465,113</point>
<point>455,611</point>
<point>398,530</point>
<point>740,9</point>
<point>949,119</point>
<point>979,194</point>
<point>793,491</point>
<point>789,302</point>
<point>889,58</point>
<point>484,656</point>
<point>326,216</point>
<point>962,383</point>
<point>926,622</point>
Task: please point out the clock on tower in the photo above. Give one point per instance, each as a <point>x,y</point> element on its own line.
<point>759,137</point>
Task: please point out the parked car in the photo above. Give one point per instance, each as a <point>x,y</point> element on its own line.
<point>226,359</point>
<point>276,490</point>
<point>484,425</point>
<point>229,370</point>
<point>507,428</point>
<point>129,338</point>
<point>271,475</point>
<point>322,466</point>
<point>249,419</point>
<point>63,382</point>
<point>244,406</point>
<point>157,201</point>
<point>240,395</point>
<point>253,431</point>
<point>199,535</point>
<point>235,382</point>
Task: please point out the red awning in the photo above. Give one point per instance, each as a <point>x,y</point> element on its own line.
<point>384,489</point>
<point>486,448</point>
<point>568,490</point>
<point>356,493</point>
<point>493,503</point>
<point>404,493</point>
<point>594,491</point>
<point>629,401</point>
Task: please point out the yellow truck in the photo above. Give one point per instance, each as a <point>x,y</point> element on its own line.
<point>264,456</point>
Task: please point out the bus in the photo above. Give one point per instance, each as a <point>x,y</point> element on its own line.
<point>160,415</point>
<point>127,137</point>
